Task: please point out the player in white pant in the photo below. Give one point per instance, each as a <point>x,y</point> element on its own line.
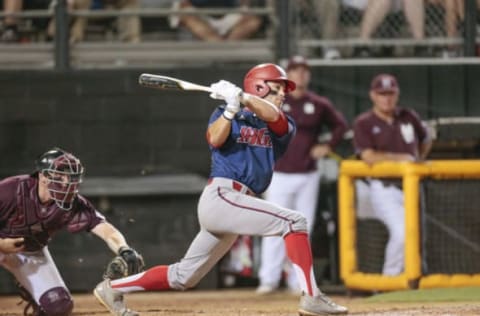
<point>388,132</point>
<point>387,204</point>
<point>299,194</point>
<point>244,144</point>
<point>295,182</point>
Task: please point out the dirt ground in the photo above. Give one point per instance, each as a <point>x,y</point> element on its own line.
<point>243,302</point>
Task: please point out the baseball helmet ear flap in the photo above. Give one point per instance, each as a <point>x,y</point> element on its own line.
<point>255,81</point>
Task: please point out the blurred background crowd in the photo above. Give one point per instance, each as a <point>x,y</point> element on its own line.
<point>329,29</point>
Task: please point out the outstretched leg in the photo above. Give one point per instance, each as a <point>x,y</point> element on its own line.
<point>204,252</point>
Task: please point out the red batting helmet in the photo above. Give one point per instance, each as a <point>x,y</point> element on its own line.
<point>255,80</point>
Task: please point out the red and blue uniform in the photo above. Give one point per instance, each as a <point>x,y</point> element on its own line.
<point>250,152</point>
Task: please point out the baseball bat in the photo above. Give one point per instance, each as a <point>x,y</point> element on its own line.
<point>169,83</point>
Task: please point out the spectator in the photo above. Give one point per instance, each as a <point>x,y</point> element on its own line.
<point>454,15</point>
<point>129,26</point>
<point>377,10</point>
<point>389,133</point>
<point>327,12</point>
<point>295,181</point>
<point>10,32</point>
<point>230,26</point>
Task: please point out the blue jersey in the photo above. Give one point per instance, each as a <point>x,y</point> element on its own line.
<point>250,151</point>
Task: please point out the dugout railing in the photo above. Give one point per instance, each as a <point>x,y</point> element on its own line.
<point>442,245</point>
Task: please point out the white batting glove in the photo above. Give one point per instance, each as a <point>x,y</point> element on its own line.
<point>230,93</point>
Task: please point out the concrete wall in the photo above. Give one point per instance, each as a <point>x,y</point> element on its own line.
<point>120,128</point>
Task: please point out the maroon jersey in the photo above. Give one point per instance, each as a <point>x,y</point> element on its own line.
<point>402,136</point>
<point>23,215</point>
<point>311,113</point>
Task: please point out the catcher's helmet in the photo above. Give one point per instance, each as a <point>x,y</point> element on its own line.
<point>255,80</point>
<point>64,172</point>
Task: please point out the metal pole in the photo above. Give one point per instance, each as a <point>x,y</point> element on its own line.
<point>470,28</point>
<point>283,30</point>
<point>62,53</point>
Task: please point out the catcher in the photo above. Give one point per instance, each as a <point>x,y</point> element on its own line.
<point>34,207</point>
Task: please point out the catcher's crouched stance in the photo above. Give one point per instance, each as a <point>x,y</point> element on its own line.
<point>32,209</point>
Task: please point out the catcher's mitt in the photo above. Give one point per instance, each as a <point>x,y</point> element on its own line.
<point>126,263</point>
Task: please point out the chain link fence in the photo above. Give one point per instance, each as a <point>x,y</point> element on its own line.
<point>318,29</point>
<point>379,28</point>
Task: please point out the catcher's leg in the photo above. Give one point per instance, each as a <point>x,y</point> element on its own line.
<point>32,308</point>
<point>40,283</point>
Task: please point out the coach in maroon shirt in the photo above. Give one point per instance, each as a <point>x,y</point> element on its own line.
<point>389,133</point>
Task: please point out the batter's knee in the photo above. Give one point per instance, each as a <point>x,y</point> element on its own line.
<point>181,278</point>
<point>187,282</point>
<point>297,223</point>
<point>56,302</point>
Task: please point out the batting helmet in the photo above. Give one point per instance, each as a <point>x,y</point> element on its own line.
<point>64,172</point>
<point>255,80</point>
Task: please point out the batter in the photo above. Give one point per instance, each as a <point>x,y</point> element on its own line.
<point>244,144</point>
<point>295,182</point>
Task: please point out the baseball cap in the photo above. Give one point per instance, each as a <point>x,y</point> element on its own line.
<point>297,60</point>
<point>384,83</point>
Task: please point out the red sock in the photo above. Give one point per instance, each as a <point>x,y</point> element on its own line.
<point>300,253</point>
<point>153,279</point>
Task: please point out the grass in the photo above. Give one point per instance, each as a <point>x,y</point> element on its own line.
<point>463,294</point>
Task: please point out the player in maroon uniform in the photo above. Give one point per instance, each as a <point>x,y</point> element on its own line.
<point>389,133</point>
<point>295,181</point>
<point>32,209</point>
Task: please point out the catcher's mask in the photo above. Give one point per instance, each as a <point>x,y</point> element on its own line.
<point>255,81</point>
<point>64,172</point>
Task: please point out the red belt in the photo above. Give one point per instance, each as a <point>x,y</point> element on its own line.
<point>237,186</point>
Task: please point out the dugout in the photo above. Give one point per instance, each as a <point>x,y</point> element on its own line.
<point>441,220</point>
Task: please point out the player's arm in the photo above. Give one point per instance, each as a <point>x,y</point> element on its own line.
<point>127,260</point>
<point>11,245</point>
<point>372,156</point>
<point>218,131</point>
<point>338,126</point>
<point>112,236</point>
<point>264,109</point>
<point>8,189</point>
<point>424,149</point>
